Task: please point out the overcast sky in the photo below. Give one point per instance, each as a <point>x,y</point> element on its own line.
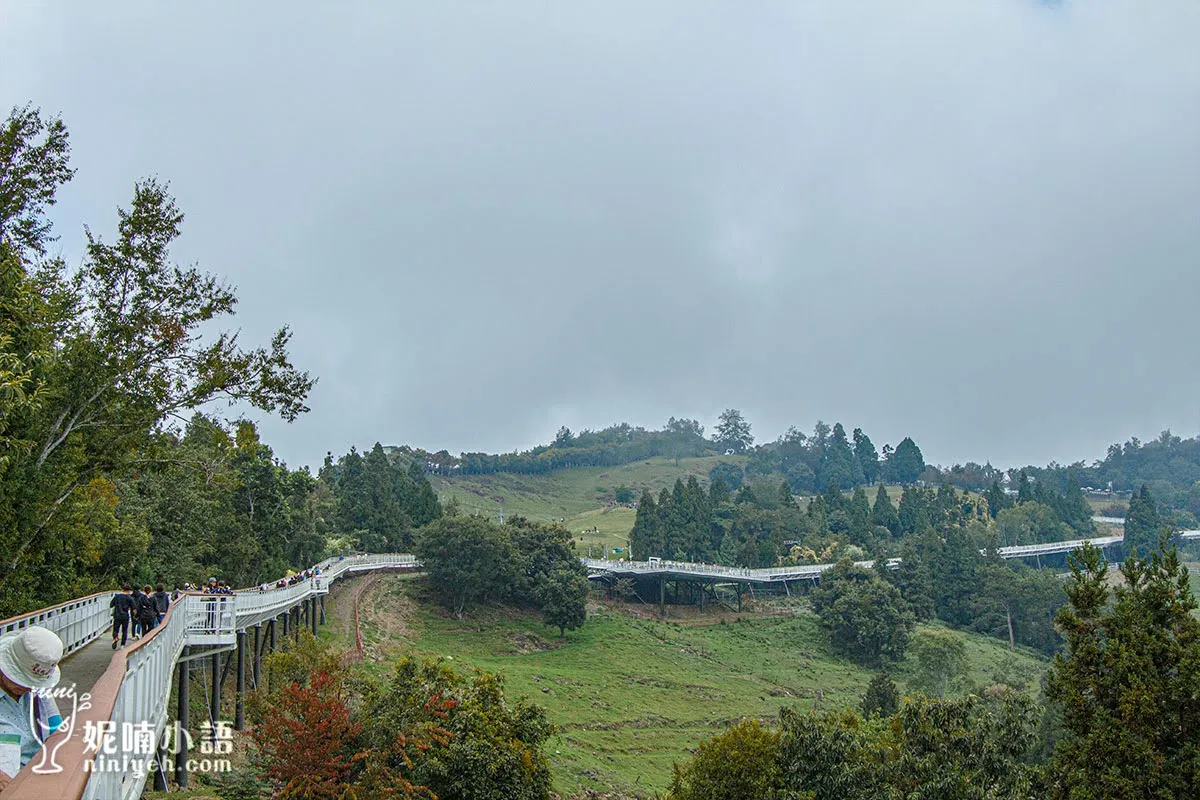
<point>975,223</point>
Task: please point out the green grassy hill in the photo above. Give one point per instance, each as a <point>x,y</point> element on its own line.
<point>582,498</point>
<point>632,694</point>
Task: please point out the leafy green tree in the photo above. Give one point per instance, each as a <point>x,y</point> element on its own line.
<point>685,437</point>
<point>941,662</point>
<point>881,698</point>
<point>494,746</point>
<point>866,618</point>
<point>729,474</point>
<point>467,560</point>
<point>973,748</point>
<point>906,464</point>
<point>1030,523</point>
<point>741,763</point>
<point>1018,604</point>
<point>733,431</point>
<point>718,493</point>
<point>563,596</point>
<point>866,456</point>
<point>883,513</point>
<point>1126,684</point>
<point>96,362</point>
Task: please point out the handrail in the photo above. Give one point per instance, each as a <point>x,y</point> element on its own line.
<point>77,622</point>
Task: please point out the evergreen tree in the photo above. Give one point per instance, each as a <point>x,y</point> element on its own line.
<point>866,456</point>
<point>915,510</point>
<point>884,513</point>
<point>862,529</point>
<point>906,464</point>
<point>838,465</point>
<point>1142,524</point>
<point>645,539</point>
<point>997,499</point>
<point>718,492</point>
<point>1025,492</point>
<point>1126,685</point>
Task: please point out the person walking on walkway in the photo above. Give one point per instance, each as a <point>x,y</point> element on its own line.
<point>122,606</point>
<point>28,660</point>
<point>162,601</point>
<point>146,611</point>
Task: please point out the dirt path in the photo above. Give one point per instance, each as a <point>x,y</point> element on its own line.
<point>384,616</point>
<point>384,613</point>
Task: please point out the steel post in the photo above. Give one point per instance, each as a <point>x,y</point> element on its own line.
<point>256,673</point>
<point>181,717</point>
<point>214,698</point>
<point>239,714</point>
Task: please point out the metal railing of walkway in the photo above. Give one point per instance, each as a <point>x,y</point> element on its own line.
<point>806,571</point>
<point>135,688</point>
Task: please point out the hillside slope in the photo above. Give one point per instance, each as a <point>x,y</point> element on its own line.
<point>632,694</point>
<point>582,498</point>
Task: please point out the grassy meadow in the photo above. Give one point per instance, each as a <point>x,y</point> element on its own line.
<point>582,497</point>
<point>632,694</point>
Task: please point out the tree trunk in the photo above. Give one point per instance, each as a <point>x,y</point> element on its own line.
<point>1012,642</point>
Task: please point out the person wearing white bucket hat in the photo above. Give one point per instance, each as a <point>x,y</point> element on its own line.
<point>28,660</point>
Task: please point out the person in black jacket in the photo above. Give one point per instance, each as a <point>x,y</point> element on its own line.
<point>135,615</point>
<point>122,605</point>
<point>146,611</point>
<point>162,601</point>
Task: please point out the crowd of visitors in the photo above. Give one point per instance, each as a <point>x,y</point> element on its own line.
<point>292,580</point>
<point>136,611</point>
<point>142,609</point>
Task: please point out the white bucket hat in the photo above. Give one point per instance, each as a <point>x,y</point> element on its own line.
<point>30,658</point>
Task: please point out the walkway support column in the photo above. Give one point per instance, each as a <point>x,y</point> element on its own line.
<point>287,618</point>
<point>662,597</point>
<point>214,699</point>
<point>239,714</point>
<point>312,614</point>
<point>256,662</point>
<point>271,645</point>
<point>181,719</point>
<point>322,609</point>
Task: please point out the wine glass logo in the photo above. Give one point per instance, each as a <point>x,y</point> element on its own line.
<point>47,763</point>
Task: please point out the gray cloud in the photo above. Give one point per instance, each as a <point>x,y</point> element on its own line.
<point>974,223</point>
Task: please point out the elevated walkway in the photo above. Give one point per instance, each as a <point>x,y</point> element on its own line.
<point>131,686</point>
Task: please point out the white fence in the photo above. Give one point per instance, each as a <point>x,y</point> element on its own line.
<point>76,622</point>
